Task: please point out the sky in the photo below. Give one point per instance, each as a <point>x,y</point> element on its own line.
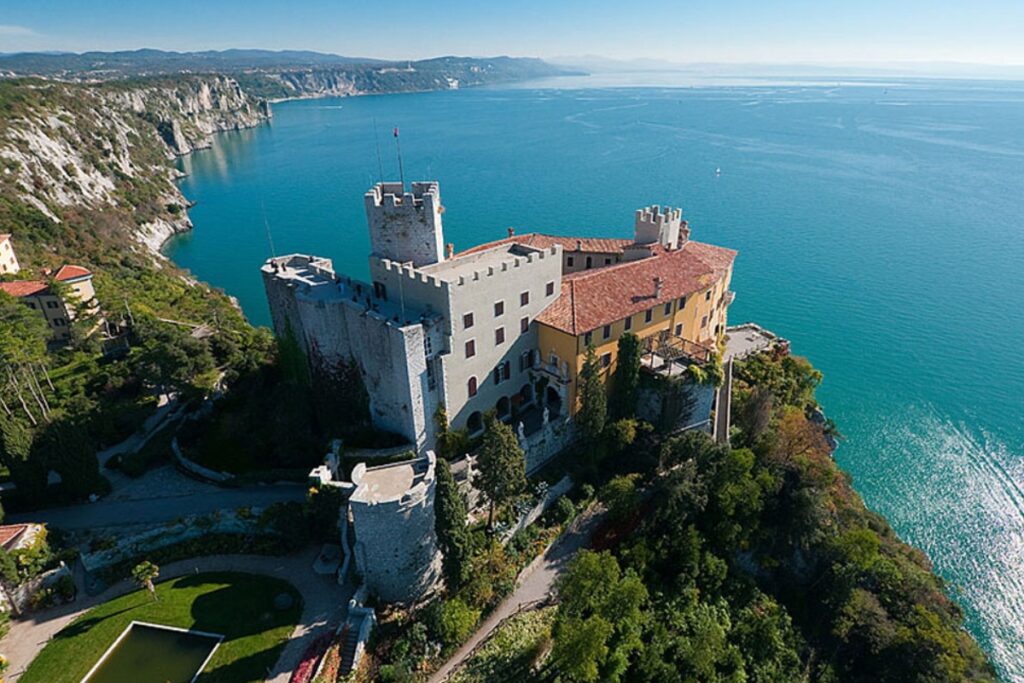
<point>684,31</point>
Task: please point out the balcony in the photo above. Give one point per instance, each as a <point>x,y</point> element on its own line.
<point>668,355</point>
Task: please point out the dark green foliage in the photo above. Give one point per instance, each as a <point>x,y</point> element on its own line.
<point>600,618</point>
<point>450,526</point>
<point>65,446</point>
<point>501,465</point>
<point>168,357</point>
<point>620,497</point>
<point>323,507</point>
<point>593,401</point>
<point>626,382</point>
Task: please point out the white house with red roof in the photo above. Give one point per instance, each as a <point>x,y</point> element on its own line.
<point>57,308</point>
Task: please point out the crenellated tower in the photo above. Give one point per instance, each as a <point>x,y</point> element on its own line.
<point>406,226</point>
<point>657,225</point>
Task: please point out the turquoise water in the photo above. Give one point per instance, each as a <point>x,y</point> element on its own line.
<point>879,228</point>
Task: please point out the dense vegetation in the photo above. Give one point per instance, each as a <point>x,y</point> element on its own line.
<point>755,563</point>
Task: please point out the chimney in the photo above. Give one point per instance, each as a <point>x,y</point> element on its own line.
<point>511,232</point>
<point>450,249</point>
<point>658,287</point>
<point>579,245</point>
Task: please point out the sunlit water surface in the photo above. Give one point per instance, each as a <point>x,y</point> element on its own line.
<point>879,228</point>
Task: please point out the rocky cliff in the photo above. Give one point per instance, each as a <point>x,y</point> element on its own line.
<point>106,147</point>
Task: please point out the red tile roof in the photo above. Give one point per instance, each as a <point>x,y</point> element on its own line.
<point>4,238</point>
<point>72,273</point>
<point>21,288</point>
<point>592,298</point>
<point>9,534</point>
<point>538,241</point>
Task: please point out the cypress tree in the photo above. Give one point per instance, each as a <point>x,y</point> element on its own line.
<point>501,464</point>
<point>450,526</point>
<point>593,410</point>
<point>627,377</point>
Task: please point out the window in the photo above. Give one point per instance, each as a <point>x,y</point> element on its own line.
<point>525,360</point>
<point>682,302</point>
<point>524,325</point>
<point>668,308</point>
<point>31,305</point>
<point>51,304</point>
<point>471,387</point>
<point>707,295</point>
<point>59,322</point>
<point>499,336</point>
<point>704,322</point>
<point>470,348</point>
<point>570,261</point>
<point>606,332</point>
<point>607,261</point>
<point>549,288</point>
<point>496,374</point>
<point>506,370</point>
<point>590,262</point>
<point>629,323</point>
<point>499,308</point>
<point>648,315</point>
<point>679,330</point>
<point>380,291</point>
<point>587,338</point>
<point>467,321</point>
<point>606,360</point>
<point>524,298</point>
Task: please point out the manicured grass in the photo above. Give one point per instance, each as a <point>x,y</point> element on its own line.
<point>509,654</point>
<point>239,606</point>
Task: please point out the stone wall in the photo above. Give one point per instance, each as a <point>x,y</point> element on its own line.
<point>395,546</point>
<point>406,226</point>
<point>552,438</point>
<point>676,404</point>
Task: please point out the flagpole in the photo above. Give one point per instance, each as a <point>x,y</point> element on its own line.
<point>401,171</point>
<point>380,163</point>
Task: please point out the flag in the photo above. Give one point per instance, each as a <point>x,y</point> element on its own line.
<point>396,131</point>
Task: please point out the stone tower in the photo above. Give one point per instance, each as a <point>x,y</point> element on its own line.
<point>655,225</point>
<point>406,226</point>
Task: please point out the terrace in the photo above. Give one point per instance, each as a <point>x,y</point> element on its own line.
<point>669,356</point>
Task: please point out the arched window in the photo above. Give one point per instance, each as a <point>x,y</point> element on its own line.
<point>475,423</point>
<point>471,386</point>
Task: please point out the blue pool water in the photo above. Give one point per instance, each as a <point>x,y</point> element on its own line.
<point>879,228</point>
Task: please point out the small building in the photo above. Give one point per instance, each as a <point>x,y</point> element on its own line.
<point>8,259</point>
<point>17,536</point>
<point>58,311</point>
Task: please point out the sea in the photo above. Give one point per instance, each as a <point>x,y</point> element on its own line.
<point>879,224</point>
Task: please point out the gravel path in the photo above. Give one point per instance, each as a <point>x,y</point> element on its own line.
<point>324,606</point>
<point>535,583</point>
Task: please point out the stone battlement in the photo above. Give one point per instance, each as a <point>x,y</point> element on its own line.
<point>659,224</point>
<point>479,266</point>
<point>405,226</point>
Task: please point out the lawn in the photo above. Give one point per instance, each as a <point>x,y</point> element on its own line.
<point>239,606</point>
<point>509,654</point>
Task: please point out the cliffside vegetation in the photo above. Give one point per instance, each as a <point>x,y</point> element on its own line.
<point>756,563</point>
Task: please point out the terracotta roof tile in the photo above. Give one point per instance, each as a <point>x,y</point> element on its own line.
<point>72,273</point>
<point>9,534</point>
<point>4,238</point>
<point>21,288</point>
<point>592,298</point>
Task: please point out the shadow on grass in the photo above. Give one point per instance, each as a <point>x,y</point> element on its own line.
<point>84,625</point>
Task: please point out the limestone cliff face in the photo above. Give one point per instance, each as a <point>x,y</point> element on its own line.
<point>106,147</point>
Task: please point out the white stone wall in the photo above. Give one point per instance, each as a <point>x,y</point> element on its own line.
<point>406,226</point>
<point>477,295</point>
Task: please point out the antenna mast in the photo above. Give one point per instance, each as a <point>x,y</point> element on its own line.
<point>266,226</point>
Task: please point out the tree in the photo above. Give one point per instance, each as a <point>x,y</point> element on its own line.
<point>168,356</point>
<point>627,377</point>
<point>450,526</point>
<point>144,573</point>
<point>501,465</point>
<point>593,402</point>
<point>65,446</point>
<point>620,497</point>
<point>599,618</point>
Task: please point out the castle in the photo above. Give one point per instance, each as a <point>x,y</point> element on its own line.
<point>503,326</point>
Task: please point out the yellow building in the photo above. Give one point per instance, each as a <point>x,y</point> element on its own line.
<point>669,291</point>
<point>58,312</point>
<point>8,259</point>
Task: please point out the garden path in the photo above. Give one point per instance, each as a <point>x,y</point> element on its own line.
<point>324,606</point>
<point>535,584</point>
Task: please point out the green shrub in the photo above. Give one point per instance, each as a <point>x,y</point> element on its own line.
<point>455,622</point>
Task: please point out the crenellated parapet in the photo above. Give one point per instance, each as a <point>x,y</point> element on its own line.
<point>661,225</point>
<point>406,226</point>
